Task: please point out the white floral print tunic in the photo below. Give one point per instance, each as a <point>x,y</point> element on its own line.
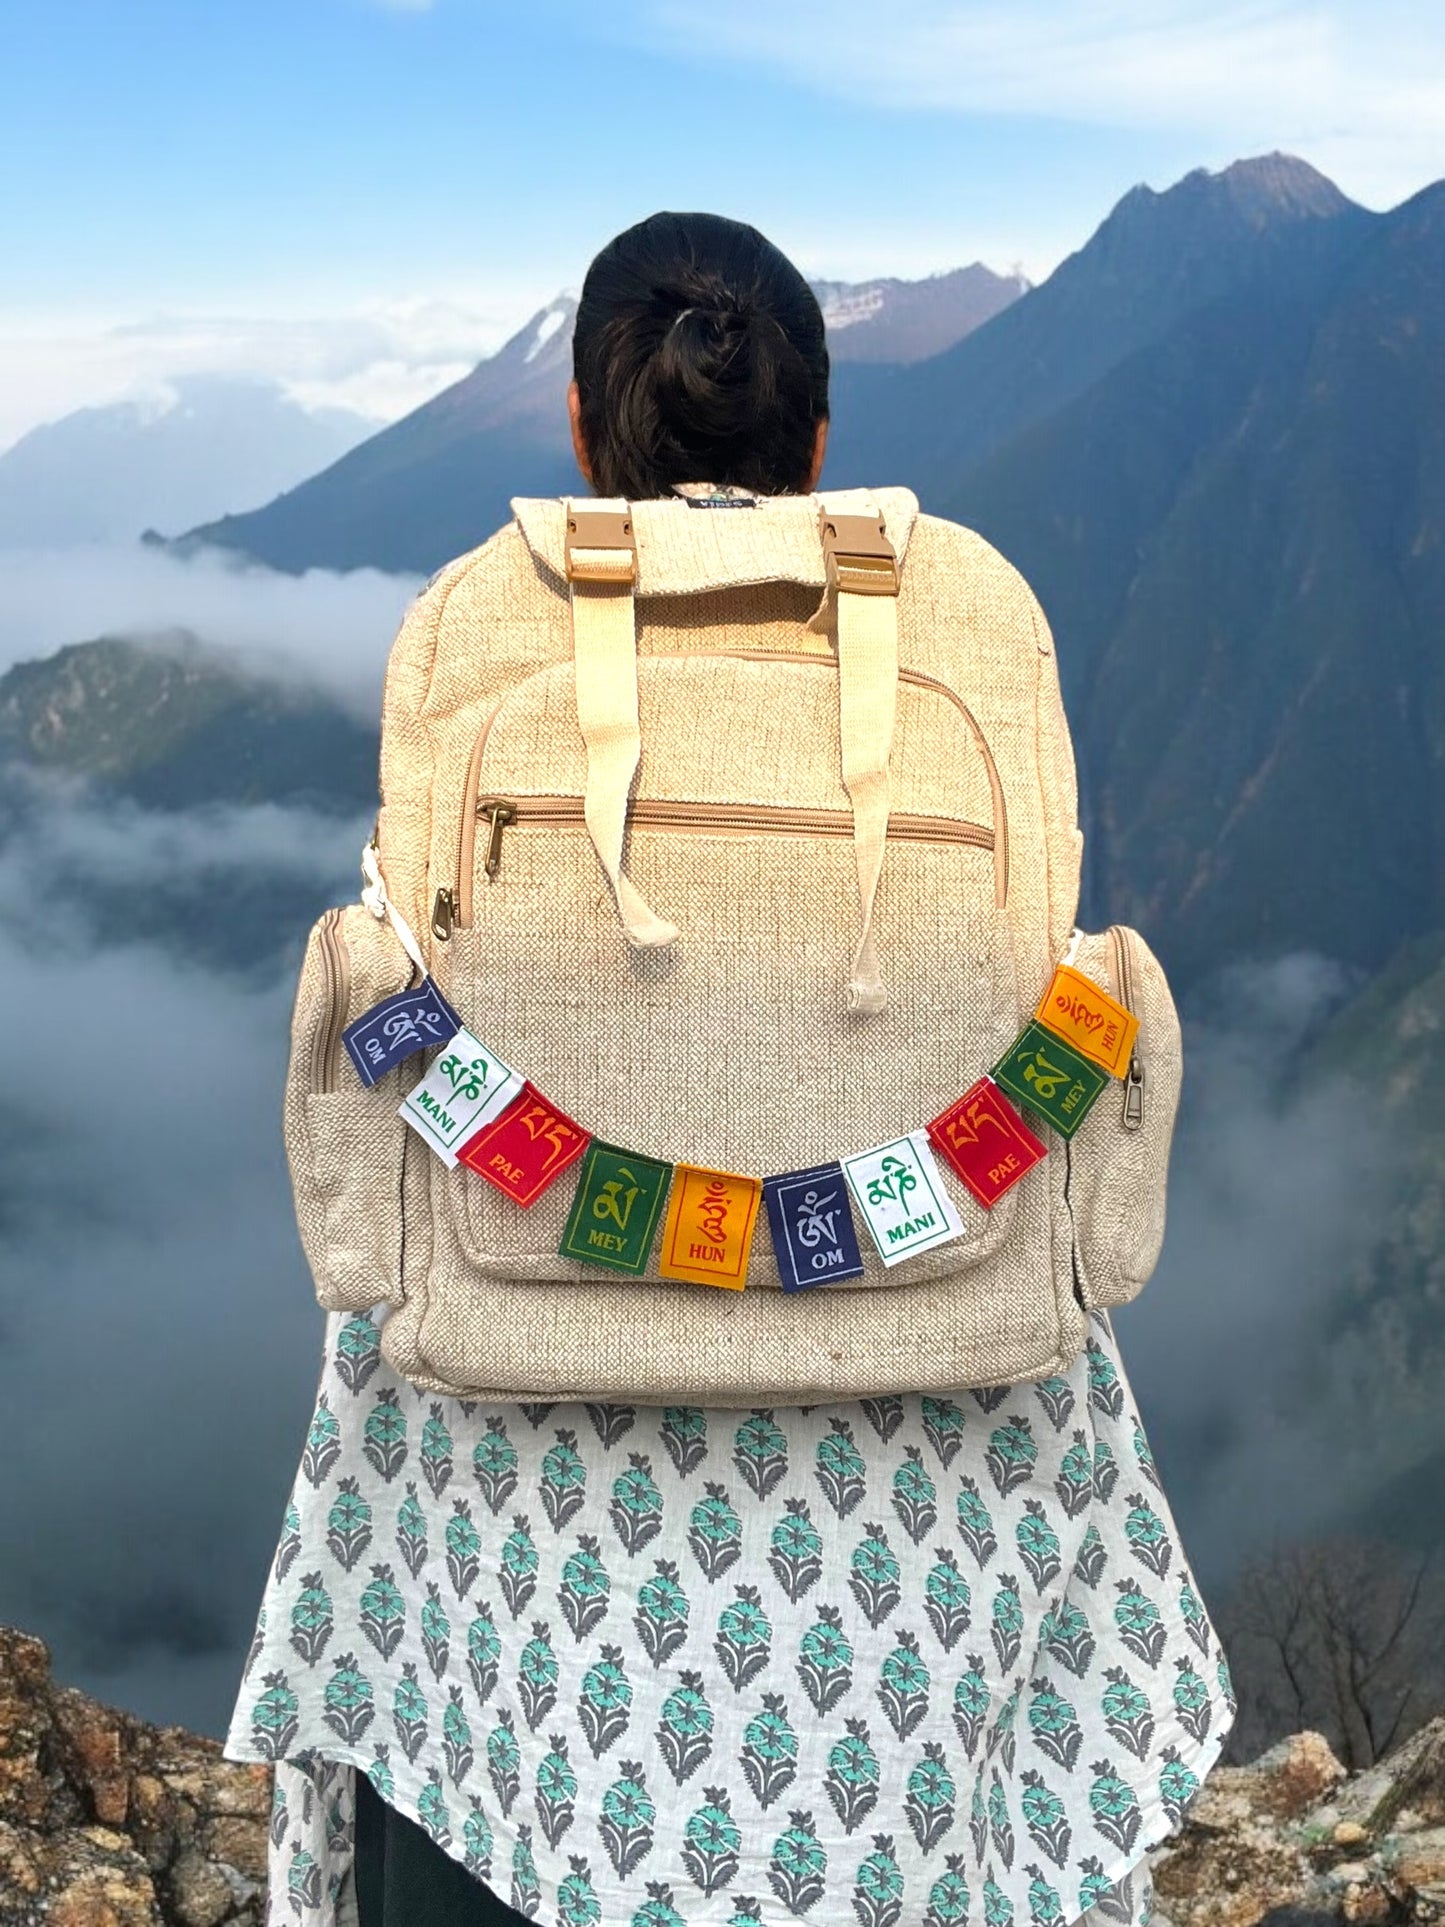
<point>912,1660</point>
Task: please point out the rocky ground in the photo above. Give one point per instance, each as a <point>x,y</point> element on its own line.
<point>106,1821</point>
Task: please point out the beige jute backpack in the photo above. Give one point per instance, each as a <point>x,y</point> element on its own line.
<point>747,832</point>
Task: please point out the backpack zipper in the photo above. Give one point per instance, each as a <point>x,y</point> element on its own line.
<point>336,970</point>
<point>1133,1116</point>
<point>451,905</point>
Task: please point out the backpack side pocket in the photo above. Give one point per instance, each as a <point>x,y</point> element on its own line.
<point>345,1143</point>
<point>1118,1159</point>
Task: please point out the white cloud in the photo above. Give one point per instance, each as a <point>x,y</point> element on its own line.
<point>330,630</point>
<point>1359,92</point>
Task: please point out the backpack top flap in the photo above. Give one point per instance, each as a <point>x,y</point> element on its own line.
<point>683,550</point>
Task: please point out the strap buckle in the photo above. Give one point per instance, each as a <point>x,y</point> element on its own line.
<point>600,545</point>
<point>859,556</point>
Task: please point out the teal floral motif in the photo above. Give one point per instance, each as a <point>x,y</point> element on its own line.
<point>948,1600</point>
<point>358,1352</point>
<point>948,1898</point>
<point>383,1613</point>
<point>1011,1454</point>
<point>464,1547</point>
<point>1226,1684</point>
<point>1092,1556</point>
<point>711,1842</point>
<point>436,1452</point>
<point>798,1868</point>
<point>411,1535</point>
<point>1127,1712</point>
<point>915,1496</point>
<point>744,1638</point>
<point>636,1510</point>
<point>1148,1540</point>
<point>436,1630</point>
<point>537,1672</point>
<point>323,1442</point>
<point>1105,1391</point>
<point>903,1686</point>
<point>384,1435</point>
<point>564,1480</point>
<point>839,1468</point>
<point>379,1772</point>
<point>796,1550</point>
<point>431,1810</point>
<point>409,1711</point>
<point>611,1423</point>
<point>555,1797</point>
<point>1178,1784</point>
<point>477,1840</point>
<point>1000,1826</point>
<point>494,1465</point>
<point>457,1749</point>
<point>1139,1622</point>
<point>685,1731</point>
<point>1143,1454</point>
<point>1113,1805</point>
<point>627,1821</point>
<point>770,1751</point>
<point>715,1533</point>
<point>586,1591</point>
<point>350,1703</point>
<point>1191,1609</point>
<point>658,1909</point>
<point>1054,1724</point>
<point>683,1433</point>
<point>526,1895</point>
<point>348,1524</point>
<point>484,1653</point>
<point>998,1909</point>
<point>873,1574</point>
<point>1045,1908</point>
<point>1044,1816</point>
<point>825,1660</point>
<point>931,1803</point>
<point>760,1453</point>
<point>1067,1634</point>
<point>662,1613</point>
<point>975,1522</point>
<point>313,1618</point>
<point>1038,1545</point>
<point>943,1428</point>
<point>1191,1699</point>
<point>605,1705</point>
<point>1056,1395</point>
<point>577,1902</point>
<point>289,1544</point>
<point>520,1561</point>
<point>303,1882</point>
<point>853,1775</point>
<point>1001,1734</point>
<point>273,1718</point>
<point>1074,1481</point>
<point>878,1888</point>
<point>1007,1621</point>
<point>970,1704</point>
<point>504,1760</point>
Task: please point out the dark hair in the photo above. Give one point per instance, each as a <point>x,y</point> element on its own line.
<point>699,356</point>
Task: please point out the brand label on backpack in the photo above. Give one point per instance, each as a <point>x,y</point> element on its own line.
<point>397,1028</point>
<point>1051,1077</point>
<point>465,1088</point>
<point>813,1235</point>
<point>527,1148</point>
<point>899,1191</point>
<point>615,1212</point>
<point>709,1232</point>
<point>1076,1009</point>
<point>986,1141</point>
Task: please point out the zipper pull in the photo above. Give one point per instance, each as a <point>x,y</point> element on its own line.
<point>1134,1094</point>
<point>443,914</point>
<point>498,812</point>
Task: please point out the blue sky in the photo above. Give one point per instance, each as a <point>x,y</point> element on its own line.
<point>316,188</point>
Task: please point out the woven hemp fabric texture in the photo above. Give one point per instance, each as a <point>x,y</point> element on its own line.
<point>935,1660</point>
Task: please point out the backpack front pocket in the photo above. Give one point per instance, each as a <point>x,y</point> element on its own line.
<point>1118,1159</point>
<point>345,1143</point>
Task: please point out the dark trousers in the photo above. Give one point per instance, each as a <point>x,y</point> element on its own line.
<point>404,1879</point>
